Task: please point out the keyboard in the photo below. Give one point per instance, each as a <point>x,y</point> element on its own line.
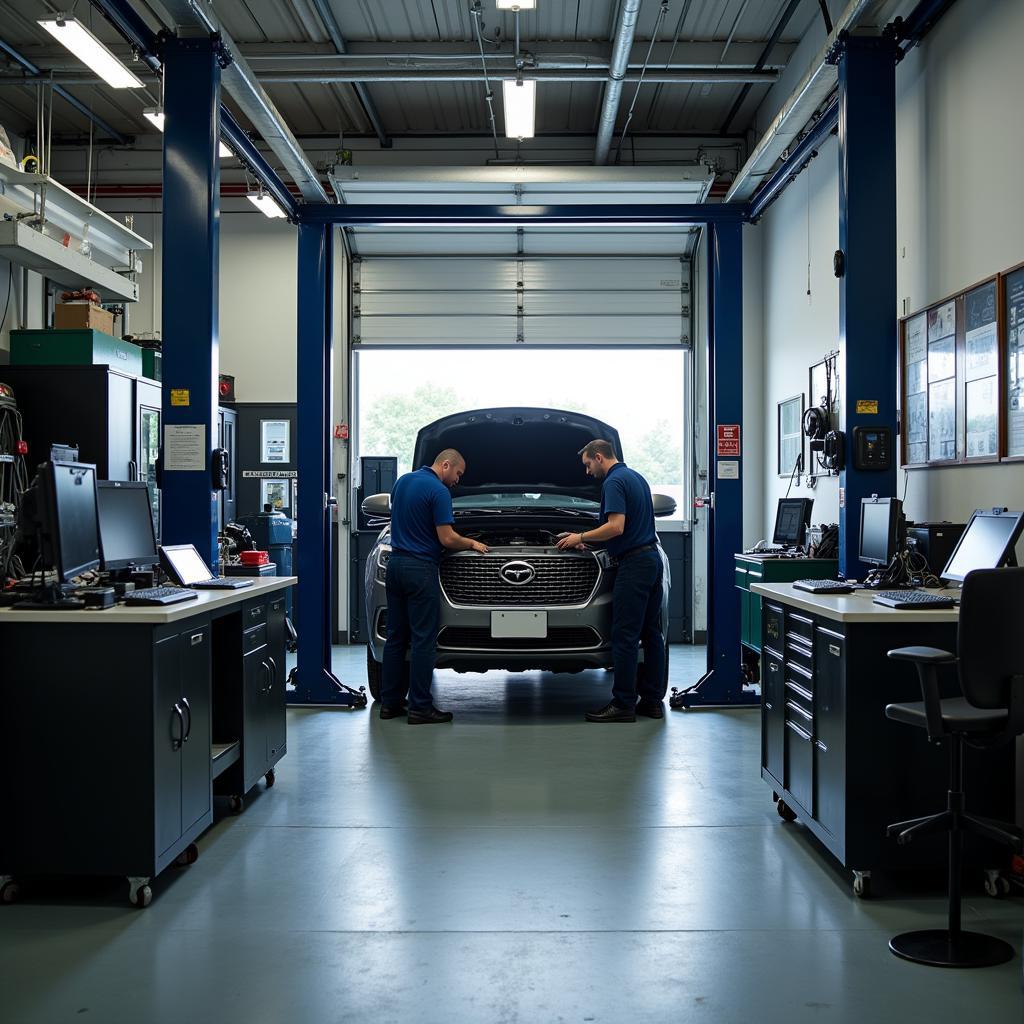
<point>160,595</point>
<point>912,599</point>
<point>823,586</point>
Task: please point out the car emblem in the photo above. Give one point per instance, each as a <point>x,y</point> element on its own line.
<point>517,574</point>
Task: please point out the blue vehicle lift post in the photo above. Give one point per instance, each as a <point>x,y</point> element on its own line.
<point>191,264</point>
<point>868,348</point>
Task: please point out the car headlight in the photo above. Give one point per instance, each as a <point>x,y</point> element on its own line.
<point>383,556</point>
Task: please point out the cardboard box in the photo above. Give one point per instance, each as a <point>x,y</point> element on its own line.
<point>72,315</point>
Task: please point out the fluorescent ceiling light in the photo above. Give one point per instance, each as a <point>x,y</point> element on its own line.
<point>520,100</point>
<point>511,5</point>
<point>265,204</point>
<point>156,116</point>
<point>90,51</point>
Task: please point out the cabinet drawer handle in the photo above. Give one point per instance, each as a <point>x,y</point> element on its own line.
<point>254,613</point>
<point>821,746</point>
<point>197,638</point>
<point>176,741</point>
<point>796,728</point>
<point>273,674</point>
<point>834,650</point>
<point>188,708</point>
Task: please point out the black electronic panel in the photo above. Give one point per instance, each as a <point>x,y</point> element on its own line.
<point>792,518</point>
<point>127,537</point>
<point>880,520</point>
<point>987,543</point>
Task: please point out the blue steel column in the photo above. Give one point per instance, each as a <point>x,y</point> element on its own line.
<point>313,679</point>
<point>723,682</point>
<point>191,256</point>
<point>868,348</point>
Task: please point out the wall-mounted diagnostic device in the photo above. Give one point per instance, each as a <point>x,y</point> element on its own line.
<point>872,448</point>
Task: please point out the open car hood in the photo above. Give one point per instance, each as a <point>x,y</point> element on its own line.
<point>518,449</point>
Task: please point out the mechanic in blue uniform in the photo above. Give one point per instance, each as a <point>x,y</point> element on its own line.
<point>627,530</point>
<point>421,530</point>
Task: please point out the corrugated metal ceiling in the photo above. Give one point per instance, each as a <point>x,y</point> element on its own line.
<point>429,108</point>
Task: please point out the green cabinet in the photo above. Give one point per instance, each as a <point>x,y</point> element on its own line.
<point>751,569</point>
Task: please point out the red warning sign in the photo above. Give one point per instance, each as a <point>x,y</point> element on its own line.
<point>728,440</point>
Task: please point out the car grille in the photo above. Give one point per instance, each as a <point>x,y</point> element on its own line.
<point>560,579</point>
<point>478,638</point>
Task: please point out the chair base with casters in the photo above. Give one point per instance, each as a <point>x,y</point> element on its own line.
<point>960,722</point>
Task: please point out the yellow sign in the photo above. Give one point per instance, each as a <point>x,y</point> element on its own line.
<point>180,396</point>
<point>867,405</point>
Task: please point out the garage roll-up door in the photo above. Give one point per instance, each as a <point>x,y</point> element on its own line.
<point>528,300</point>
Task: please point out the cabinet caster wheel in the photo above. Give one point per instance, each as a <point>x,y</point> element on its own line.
<point>187,856</point>
<point>139,893</point>
<point>996,885</point>
<point>9,891</point>
<point>271,778</point>
<point>236,803</point>
<point>786,813</point>
<point>862,884</point>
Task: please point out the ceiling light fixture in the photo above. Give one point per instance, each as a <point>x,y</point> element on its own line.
<point>156,117</point>
<point>265,204</point>
<point>517,5</point>
<point>70,32</point>
<point>520,103</point>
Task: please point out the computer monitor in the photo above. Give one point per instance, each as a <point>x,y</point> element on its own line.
<point>881,522</point>
<point>127,536</point>
<point>987,543</point>
<point>60,511</point>
<point>185,564</point>
<point>792,518</point>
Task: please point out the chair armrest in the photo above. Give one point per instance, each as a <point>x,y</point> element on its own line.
<point>923,655</point>
<point>927,661</point>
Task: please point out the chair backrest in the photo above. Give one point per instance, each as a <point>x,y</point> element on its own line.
<point>990,636</point>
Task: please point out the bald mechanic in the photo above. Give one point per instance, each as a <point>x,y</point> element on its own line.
<point>627,530</point>
<point>421,531</point>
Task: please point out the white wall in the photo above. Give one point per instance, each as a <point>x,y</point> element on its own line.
<point>959,220</point>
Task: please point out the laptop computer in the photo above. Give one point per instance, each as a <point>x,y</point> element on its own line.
<point>186,567</point>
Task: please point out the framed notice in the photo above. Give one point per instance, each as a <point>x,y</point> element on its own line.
<point>1013,317</point>
<point>275,441</point>
<point>274,493</point>
<point>790,416</point>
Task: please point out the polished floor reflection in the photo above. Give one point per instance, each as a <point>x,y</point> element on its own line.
<point>518,865</point>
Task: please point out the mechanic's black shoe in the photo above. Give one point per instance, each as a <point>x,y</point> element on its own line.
<point>612,713</point>
<point>393,710</point>
<point>431,716</point>
<point>650,708</point>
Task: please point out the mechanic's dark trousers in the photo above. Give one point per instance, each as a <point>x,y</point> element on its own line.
<point>414,607</point>
<point>636,619</point>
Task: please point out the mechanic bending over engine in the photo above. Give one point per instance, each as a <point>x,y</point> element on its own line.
<point>627,530</point>
<point>421,530</point>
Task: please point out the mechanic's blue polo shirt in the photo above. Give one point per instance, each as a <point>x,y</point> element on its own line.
<point>419,504</point>
<point>626,492</point>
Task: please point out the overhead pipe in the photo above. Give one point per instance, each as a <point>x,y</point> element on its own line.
<point>621,46</point>
<point>323,8</point>
<point>812,90</point>
<point>241,83</point>
<point>42,78</point>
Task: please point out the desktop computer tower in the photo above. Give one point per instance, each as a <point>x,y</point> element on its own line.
<point>935,541</point>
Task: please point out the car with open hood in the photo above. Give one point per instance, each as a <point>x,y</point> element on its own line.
<point>525,605</point>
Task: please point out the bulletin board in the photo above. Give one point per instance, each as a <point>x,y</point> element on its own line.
<point>1012,305</point>
<point>951,374</point>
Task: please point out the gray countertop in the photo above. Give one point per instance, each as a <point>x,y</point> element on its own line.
<point>153,615</point>
<point>855,607</point>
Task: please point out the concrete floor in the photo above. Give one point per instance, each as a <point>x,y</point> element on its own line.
<point>518,866</point>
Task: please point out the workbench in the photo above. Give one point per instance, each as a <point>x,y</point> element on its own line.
<point>832,758</point>
<point>117,726</point>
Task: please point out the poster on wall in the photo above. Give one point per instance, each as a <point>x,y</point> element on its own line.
<point>942,322</point>
<point>982,418</point>
<point>275,442</point>
<point>942,421</point>
<point>1015,363</point>
<point>274,493</point>
<point>981,341</point>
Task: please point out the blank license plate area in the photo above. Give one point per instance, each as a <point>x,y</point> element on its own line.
<point>505,625</point>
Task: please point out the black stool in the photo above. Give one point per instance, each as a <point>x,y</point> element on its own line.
<point>990,712</point>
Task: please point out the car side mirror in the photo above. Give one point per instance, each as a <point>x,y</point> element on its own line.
<point>664,505</point>
<point>377,506</point>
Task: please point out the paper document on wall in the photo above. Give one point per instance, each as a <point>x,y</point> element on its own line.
<point>185,447</point>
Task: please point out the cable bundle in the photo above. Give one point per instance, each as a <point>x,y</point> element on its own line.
<point>13,482</point>
<point>907,569</point>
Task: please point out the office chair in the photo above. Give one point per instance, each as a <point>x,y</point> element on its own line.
<point>990,666</point>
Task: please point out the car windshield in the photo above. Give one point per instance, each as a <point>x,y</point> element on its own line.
<point>508,500</point>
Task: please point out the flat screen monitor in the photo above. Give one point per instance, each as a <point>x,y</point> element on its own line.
<point>60,509</point>
<point>792,518</point>
<point>185,564</point>
<point>126,524</point>
<point>880,520</point>
<point>988,542</point>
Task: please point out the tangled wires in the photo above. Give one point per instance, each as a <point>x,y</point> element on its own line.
<point>908,568</point>
<point>13,482</point>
